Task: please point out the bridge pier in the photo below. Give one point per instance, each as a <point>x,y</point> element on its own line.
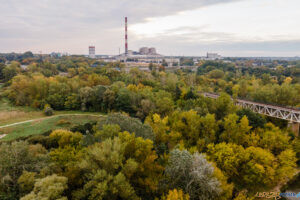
<point>294,126</point>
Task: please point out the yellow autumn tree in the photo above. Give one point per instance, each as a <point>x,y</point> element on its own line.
<point>176,195</point>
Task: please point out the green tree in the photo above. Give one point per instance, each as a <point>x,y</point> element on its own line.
<point>26,182</point>
<point>10,71</point>
<point>255,120</point>
<point>223,106</point>
<point>176,195</point>
<point>129,124</point>
<point>51,188</point>
<point>274,139</point>
<point>124,101</point>
<point>14,159</point>
<point>235,132</point>
<point>109,99</point>
<point>253,168</point>
<point>216,74</point>
<point>193,174</point>
<point>122,167</point>
<point>2,66</point>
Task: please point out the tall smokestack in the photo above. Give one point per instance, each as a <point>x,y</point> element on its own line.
<point>126,38</point>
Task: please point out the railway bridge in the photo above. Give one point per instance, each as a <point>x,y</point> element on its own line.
<point>290,114</point>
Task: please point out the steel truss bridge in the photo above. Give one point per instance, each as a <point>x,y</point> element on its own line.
<point>289,114</point>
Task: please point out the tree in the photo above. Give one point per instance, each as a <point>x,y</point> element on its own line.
<point>235,132</point>
<point>243,196</point>
<point>26,182</point>
<point>255,120</point>
<point>185,126</point>
<point>273,139</point>
<point>208,130</point>
<point>286,165</point>
<point>108,131</point>
<point>109,99</point>
<point>193,174</point>
<point>2,66</point>
<point>161,129</point>
<point>122,167</point>
<point>48,111</point>
<point>14,159</point>
<point>190,95</point>
<point>176,195</point>
<point>51,187</point>
<point>86,95</point>
<point>123,101</point>
<point>216,74</point>
<point>64,137</point>
<point>147,106</point>
<point>253,168</point>
<point>163,102</point>
<point>223,106</point>
<point>27,54</point>
<point>67,155</point>
<point>10,71</point>
<point>177,92</point>
<point>129,124</point>
<point>72,102</point>
<point>266,78</point>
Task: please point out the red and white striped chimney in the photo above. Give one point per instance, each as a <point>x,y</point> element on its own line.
<point>126,37</point>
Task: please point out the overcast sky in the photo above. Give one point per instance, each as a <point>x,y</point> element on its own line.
<point>174,27</point>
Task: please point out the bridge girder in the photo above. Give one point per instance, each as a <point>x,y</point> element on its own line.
<point>292,115</point>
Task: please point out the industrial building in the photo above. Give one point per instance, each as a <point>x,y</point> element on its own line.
<point>213,56</point>
<point>92,52</point>
<point>147,51</point>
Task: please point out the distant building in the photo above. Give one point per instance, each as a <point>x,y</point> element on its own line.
<point>152,51</point>
<point>213,56</point>
<point>144,50</point>
<point>147,51</point>
<point>130,52</point>
<point>92,52</point>
<point>55,55</point>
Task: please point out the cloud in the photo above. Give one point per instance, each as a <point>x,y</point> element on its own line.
<point>49,21</point>
<point>180,44</point>
<point>72,25</point>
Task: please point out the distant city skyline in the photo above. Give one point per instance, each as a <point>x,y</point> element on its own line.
<point>181,27</point>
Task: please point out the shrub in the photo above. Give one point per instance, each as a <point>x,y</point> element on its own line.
<point>129,124</point>
<point>63,122</point>
<point>48,111</point>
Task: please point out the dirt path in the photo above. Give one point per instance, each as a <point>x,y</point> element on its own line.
<point>2,136</point>
<point>33,120</point>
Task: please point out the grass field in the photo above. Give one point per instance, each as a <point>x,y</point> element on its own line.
<point>11,114</point>
<point>46,124</point>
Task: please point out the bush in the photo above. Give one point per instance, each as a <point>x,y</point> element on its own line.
<point>63,122</point>
<point>48,111</point>
<point>132,125</point>
<point>46,141</point>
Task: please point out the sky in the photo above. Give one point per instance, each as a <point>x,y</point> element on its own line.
<point>173,27</point>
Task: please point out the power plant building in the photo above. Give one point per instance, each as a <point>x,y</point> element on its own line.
<point>147,51</point>
<point>92,52</point>
<point>144,50</point>
<point>213,56</point>
<point>152,51</point>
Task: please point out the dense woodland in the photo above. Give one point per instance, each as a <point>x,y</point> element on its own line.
<point>161,139</point>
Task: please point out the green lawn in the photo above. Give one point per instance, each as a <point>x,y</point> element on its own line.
<point>44,125</point>
<point>11,114</point>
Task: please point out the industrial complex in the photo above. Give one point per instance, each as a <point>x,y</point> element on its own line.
<point>146,55</point>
